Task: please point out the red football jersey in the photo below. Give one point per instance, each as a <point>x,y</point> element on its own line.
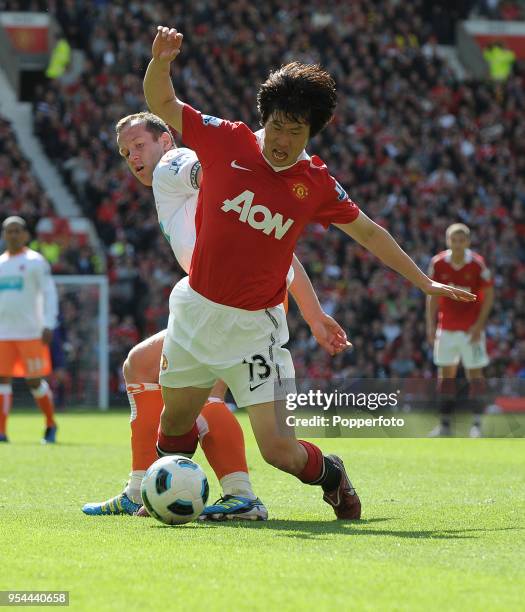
<point>249,216</point>
<point>473,276</point>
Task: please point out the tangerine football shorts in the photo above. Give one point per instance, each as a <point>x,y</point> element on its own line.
<point>206,341</point>
<point>24,358</point>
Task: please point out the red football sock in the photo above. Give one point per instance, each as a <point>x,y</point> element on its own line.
<point>221,439</point>
<point>186,444</point>
<point>145,400</point>
<point>314,468</point>
<point>44,399</point>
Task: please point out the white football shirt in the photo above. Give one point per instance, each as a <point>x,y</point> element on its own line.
<point>175,189</point>
<point>28,296</point>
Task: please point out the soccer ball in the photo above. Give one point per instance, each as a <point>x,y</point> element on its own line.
<point>174,490</point>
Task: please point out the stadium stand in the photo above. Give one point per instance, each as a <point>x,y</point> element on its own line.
<point>499,10</point>
<point>416,148</point>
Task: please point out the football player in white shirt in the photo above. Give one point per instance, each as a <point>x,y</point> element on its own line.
<point>28,315</point>
<point>175,173</point>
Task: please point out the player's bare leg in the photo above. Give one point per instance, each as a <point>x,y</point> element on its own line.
<point>305,461</point>
<point>476,392</point>
<point>43,396</point>
<point>6,401</point>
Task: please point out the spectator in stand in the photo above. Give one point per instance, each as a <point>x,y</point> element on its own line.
<point>500,60</point>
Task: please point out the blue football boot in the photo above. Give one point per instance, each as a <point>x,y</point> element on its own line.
<point>232,507</point>
<point>120,504</point>
<point>50,435</point>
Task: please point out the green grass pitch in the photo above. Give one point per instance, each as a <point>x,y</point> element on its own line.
<point>442,529</point>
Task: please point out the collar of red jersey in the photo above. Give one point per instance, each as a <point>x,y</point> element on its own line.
<point>260,141</point>
<point>466,259</point>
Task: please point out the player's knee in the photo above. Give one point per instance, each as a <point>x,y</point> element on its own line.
<point>33,383</point>
<point>134,369</point>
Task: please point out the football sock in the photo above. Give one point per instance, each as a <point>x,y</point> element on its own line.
<point>6,399</point>
<point>146,403</point>
<point>446,399</point>
<point>44,399</point>
<point>237,483</point>
<point>132,489</point>
<point>319,470</point>
<point>186,444</point>
<point>476,394</point>
<point>221,439</point>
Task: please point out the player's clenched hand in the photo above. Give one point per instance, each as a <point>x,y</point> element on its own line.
<point>454,293</point>
<point>167,44</point>
<point>329,334</point>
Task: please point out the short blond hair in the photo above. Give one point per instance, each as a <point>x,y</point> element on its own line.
<point>153,124</point>
<point>456,228</point>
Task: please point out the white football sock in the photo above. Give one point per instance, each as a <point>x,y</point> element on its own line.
<point>237,483</point>
<point>132,489</point>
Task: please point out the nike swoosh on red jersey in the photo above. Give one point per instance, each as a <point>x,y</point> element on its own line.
<point>236,165</point>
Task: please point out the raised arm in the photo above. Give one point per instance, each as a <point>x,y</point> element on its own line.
<point>328,333</point>
<point>158,87</point>
<point>379,242</point>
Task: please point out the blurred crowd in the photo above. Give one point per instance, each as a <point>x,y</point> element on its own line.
<point>415,148</point>
<point>501,10</point>
<point>20,192</point>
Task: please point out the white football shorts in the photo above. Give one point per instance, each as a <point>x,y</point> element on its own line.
<point>206,341</point>
<point>451,347</point>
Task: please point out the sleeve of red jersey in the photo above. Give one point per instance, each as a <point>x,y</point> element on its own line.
<point>208,136</point>
<point>432,272</point>
<point>338,207</point>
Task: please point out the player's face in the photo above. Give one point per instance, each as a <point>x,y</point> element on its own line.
<point>458,242</point>
<point>141,151</point>
<point>15,237</point>
<point>284,140</point>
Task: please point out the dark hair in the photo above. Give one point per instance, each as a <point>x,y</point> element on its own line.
<point>153,124</point>
<point>304,93</point>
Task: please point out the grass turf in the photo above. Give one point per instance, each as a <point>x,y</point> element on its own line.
<point>442,529</point>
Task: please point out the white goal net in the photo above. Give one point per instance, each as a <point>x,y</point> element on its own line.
<point>80,348</point>
<point>84,321</point>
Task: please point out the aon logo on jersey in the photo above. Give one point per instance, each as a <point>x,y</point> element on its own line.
<point>259,217</point>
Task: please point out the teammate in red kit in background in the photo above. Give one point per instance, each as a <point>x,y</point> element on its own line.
<point>259,191</point>
<point>459,335</point>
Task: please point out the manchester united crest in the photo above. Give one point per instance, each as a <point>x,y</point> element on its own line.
<point>300,191</point>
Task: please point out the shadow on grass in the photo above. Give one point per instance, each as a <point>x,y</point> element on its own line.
<point>314,529</point>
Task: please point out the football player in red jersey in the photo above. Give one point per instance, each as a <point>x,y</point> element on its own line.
<point>259,191</point>
<point>459,334</point>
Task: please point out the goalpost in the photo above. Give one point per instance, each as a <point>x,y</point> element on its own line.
<point>84,315</point>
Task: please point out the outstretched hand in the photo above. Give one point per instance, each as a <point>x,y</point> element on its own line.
<point>329,334</point>
<point>167,44</point>
<point>454,293</point>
